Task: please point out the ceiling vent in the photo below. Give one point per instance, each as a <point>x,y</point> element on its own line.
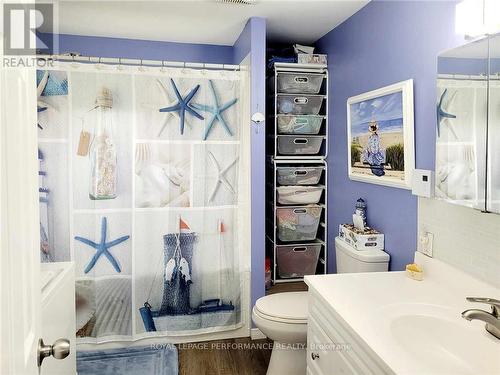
<point>237,2</point>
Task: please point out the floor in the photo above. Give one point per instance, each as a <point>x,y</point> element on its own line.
<point>225,357</point>
<point>229,357</point>
<point>287,287</point>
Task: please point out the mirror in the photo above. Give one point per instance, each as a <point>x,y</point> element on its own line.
<point>462,123</point>
<point>493,176</point>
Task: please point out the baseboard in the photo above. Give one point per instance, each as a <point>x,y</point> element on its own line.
<point>256,334</point>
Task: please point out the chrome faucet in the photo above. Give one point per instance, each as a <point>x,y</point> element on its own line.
<point>492,319</point>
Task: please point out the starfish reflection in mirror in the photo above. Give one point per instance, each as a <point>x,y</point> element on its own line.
<point>102,247</point>
<point>216,111</point>
<point>442,115</point>
<point>182,106</point>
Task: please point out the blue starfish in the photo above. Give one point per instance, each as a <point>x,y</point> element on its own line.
<point>441,114</point>
<point>102,247</point>
<point>216,112</point>
<point>183,105</point>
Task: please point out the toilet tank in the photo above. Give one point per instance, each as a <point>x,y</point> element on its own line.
<point>351,260</point>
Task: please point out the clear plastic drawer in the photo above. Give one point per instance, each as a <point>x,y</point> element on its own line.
<point>297,260</point>
<point>299,175</point>
<point>300,124</point>
<point>295,145</point>
<point>299,194</point>
<point>299,104</point>
<point>300,83</point>
<point>298,223</point>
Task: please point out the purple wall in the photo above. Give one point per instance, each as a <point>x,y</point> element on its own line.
<point>253,40</point>
<point>450,65</point>
<point>141,49</point>
<point>384,43</point>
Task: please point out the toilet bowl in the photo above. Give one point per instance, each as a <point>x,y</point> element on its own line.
<point>282,317</point>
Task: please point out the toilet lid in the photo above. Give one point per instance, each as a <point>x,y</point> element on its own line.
<point>284,306</point>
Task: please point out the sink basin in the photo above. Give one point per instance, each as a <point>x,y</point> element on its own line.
<point>439,340</point>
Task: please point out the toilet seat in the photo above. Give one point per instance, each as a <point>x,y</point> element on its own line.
<point>289,307</point>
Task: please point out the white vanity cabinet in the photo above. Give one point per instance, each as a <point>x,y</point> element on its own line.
<point>332,348</point>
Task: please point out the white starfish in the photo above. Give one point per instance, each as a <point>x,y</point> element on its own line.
<point>221,176</point>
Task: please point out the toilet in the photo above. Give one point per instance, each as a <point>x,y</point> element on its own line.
<point>350,260</point>
<point>282,317</point>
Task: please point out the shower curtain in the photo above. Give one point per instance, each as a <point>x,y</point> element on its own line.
<point>144,185</point>
<point>461,140</point>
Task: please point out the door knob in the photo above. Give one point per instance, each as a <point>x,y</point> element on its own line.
<point>59,350</point>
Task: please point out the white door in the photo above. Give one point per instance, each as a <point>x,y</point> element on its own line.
<point>58,314</point>
<point>20,287</point>
<point>20,263</point>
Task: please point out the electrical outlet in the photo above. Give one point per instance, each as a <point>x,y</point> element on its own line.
<point>425,241</point>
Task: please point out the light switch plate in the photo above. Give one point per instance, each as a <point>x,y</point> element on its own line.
<point>423,183</point>
<point>425,242</point>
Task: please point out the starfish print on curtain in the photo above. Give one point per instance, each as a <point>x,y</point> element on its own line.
<point>221,176</point>
<point>216,110</point>
<point>102,247</point>
<point>42,106</point>
<point>182,105</point>
<point>48,85</point>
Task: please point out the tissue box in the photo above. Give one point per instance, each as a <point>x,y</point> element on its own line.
<point>306,58</point>
<point>368,239</point>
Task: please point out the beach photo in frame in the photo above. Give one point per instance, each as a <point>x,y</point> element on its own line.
<point>380,136</point>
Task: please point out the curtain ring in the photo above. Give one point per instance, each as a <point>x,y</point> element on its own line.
<point>119,67</point>
<point>162,69</point>
<point>99,63</point>
<point>73,62</point>
<point>184,70</point>
<point>141,68</point>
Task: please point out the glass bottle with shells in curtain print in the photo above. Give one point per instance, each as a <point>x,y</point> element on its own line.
<point>103,150</point>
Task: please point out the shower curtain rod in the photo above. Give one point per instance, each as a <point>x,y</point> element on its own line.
<point>72,57</point>
<point>464,77</point>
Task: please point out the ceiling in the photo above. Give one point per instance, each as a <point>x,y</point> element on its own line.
<point>203,21</point>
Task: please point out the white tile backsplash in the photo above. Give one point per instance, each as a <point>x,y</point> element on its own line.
<point>463,237</point>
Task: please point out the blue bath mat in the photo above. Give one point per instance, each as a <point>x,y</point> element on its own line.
<point>129,361</point>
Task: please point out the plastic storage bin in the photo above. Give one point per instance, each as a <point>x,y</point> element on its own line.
<point>304,145</point>
<point>300,83</point>
<point>297,260</point>
<point>301,124</point>
<point>299,223</point>
<point>299,175</point>
<point>290,104</point>
<point>299,194</point>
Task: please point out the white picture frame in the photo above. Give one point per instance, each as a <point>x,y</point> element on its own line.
<point>379,109</point>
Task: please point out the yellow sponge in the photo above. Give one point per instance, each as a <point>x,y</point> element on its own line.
<point>414,271</point>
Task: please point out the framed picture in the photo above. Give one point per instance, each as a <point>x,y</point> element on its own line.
<point>380,136</point>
